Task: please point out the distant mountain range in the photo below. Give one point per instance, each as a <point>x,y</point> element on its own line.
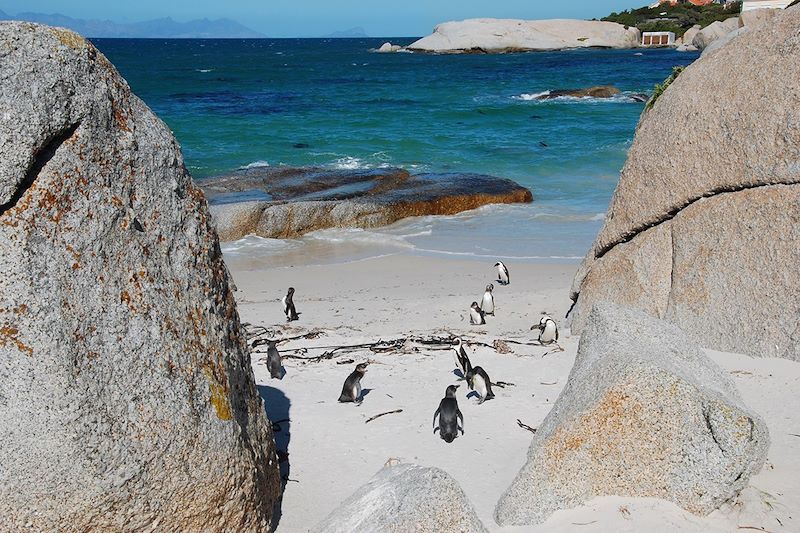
<point>358,31</point>
<point>164,28</point>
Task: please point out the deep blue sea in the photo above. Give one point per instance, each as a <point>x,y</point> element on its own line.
<point>296,102</point>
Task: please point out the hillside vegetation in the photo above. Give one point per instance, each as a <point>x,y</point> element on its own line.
<point>677,19</point>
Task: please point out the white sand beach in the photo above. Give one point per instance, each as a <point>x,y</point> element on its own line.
<point>332,451</point>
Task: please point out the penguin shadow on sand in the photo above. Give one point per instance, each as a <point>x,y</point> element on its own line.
<point>277,405</point>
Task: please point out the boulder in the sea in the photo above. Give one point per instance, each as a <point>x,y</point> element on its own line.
<point>686,48</point>
<point>715,30</point>
<point>388,47</point>
<point>703,235</point>
<point>644,413</point>
<point>725,39</point>
<point>128,401</point>
<point>510,35</point>
<point>690,34</point>
<point>405,498</point>
<point>602,91</point>
<point>300,200</point>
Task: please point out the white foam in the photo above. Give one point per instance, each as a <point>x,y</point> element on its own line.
<point>204,70</point>
<point>254,244</point>
<point>359,236</point>
<point>255,164</point>
<point>532,96</point>
<point>349,163</point>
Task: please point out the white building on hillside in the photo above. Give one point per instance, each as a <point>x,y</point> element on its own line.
<point>749,5</point>
<point>658,38</point>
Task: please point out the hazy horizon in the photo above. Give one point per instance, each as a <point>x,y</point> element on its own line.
<point>314,18</point>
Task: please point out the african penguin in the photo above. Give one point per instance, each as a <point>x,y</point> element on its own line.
<point>487,304</point>
<point>274,360</point>
<point>351,391</point>
<point>502,273</point>
<point>548,330</point>
<point>288,306</point>
<point>479,381</point>
<point>449,414</point>
<point>462,361</point>
<point>476,316</point>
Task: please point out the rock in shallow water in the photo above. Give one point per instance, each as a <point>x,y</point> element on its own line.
<point>644,414</point>
<point>405,498</point>
<point>301,200</point>
<point>128,401</point>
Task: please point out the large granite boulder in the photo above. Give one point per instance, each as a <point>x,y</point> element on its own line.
<point>704,231</point>
<point>404,498</point>
<point>715,30</point>
<point>510,35</point>
<point>128,401</point>
<point>286,202</point>
<point>690,34</point>
<point>644,413</point>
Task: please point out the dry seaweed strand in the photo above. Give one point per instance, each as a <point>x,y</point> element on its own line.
<point>370,419</point>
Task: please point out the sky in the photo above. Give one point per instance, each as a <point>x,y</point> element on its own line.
<point>312,18</point>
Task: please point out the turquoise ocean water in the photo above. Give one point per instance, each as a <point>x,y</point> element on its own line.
<point>332,102</point>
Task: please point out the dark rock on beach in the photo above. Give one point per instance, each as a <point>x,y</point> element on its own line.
<point>128,401</point>
<point>288,202</point>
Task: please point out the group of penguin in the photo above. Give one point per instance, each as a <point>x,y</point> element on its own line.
<point>476,377</point>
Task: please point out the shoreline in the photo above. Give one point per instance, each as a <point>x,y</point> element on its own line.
<point>332,451</point>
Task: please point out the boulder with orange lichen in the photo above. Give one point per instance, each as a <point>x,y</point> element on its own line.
<point>644,413</point>
<point>128,401</point>
<point>286,202</point>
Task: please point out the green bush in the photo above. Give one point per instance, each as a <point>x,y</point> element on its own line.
<point>661,87</point>
<point>676,19</point>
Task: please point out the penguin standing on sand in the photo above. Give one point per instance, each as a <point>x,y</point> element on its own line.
<point>502,273</point>
<point>288,306</point>
<point>548,330</point>
<point>274,360</point>
<point>449,414</point>
<point>487,304</point>
<point>476,316</point>
<point>478,380</point>
<point>351,391</point>
<point>462,361</point>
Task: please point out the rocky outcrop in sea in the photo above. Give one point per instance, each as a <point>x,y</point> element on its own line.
<point>487,35</point>
<point>703,231</point>
<point>287,202</point>
<point>644,413</point>
<point>128,401</point>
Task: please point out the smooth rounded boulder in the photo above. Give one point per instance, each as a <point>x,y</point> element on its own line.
<point>127,401</point>
<point>704,230</point>
<point>644,413</point>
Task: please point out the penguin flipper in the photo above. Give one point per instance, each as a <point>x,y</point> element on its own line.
<point>438,411</point>
<point>460,417</point>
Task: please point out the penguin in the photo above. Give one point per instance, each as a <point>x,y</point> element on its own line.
<point>478,380</point>
<point>351,391</point>
<point>502,273</point>
<point>487,304</point>
<point>274,360</point>
<point>476,316</point>
<point>462,361</point>
<point>288,306</point>
<point>449,414</point>
<point>548,330</point>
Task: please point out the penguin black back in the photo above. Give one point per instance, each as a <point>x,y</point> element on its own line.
<point>351,390</point>
<point>274,360</point>
<point>288,306</point>
<point>478,380</point>
<point>449,415</point>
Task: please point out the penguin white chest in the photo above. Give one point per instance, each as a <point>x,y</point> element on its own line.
<point>501,272</point>
<point>456,358</point>
<point>488,303</point>
<point>548,334</point>
<point>285,307</point>
<point>357,391</point>
<point>475,317</point>
<point>480,385</point>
